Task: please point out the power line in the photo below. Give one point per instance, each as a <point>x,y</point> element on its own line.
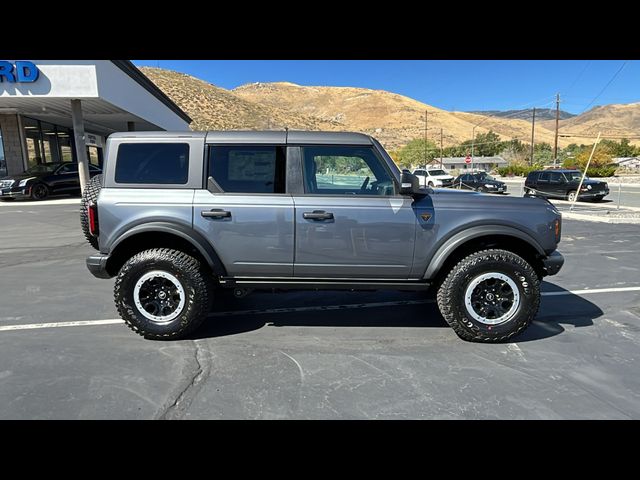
<point>578,78</point>
<point>607,85</point>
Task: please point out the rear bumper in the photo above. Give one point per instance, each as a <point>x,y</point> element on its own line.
<point>97,265</point>
<point>553,263</point>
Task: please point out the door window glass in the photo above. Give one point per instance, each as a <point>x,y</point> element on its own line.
<point>345,170</point>
<point>248,169</point>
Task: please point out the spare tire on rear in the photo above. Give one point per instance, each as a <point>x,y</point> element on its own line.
<point>90,196</point>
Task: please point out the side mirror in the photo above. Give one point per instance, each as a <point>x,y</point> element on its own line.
<point>409,183</point>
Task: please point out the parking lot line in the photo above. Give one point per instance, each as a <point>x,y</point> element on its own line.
<point>320,308</point>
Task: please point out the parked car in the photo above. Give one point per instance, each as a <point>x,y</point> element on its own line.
<point>40,181</point>
<point>479,182</point>
<point>433,177</point>
<point>564,184</point>
<point>180,217</point>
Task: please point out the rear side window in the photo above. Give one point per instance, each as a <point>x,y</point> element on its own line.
<point>248,169</point>
<point>544,177</point>
<point>153,163</point>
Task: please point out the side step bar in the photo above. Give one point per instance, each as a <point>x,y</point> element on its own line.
<point>324,284</point>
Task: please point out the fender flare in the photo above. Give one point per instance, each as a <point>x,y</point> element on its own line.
<point>198,241</point>
<point>453,242</point>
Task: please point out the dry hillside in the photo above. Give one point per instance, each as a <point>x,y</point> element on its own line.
<point>213,108</point>
<point>616,120</point>
<point>393,119</point>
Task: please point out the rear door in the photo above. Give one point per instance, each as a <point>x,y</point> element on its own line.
<point>350,220</point>
<point>247,216</point>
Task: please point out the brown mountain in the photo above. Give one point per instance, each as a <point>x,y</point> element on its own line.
<point>616,120</point>
<point>214,108</point>
<point>393,119</point>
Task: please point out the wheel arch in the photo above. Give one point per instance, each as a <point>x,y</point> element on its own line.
<point>482,237</point>
<point>162,235</point>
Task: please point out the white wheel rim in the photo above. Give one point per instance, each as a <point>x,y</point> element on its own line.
<point>504,302</point>
<point>160,304</point>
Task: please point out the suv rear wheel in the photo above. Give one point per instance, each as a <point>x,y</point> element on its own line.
<point>163,294</point>
<point>490,296</point>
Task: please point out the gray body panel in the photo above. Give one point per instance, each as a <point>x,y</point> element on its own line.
<point>370,238</point>
<point>256,239</point>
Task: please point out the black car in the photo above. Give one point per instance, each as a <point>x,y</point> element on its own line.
<point>564,184</point>
<point>40,181</point>
<point>480,182</point>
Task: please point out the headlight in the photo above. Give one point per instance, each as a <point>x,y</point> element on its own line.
<point>489,185</point>
<point>588,187</point>
<point>24,182</point>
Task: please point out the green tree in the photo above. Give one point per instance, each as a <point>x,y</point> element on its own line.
<point>487,144</point>
<point>600,165</point>
<point>417,153</point>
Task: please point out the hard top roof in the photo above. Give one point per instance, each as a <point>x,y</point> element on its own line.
<point>258,137</point>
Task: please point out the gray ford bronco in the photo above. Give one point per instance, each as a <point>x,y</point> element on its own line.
<point>180,217</point>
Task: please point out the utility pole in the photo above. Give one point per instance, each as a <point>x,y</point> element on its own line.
<point>426,127</point>
<point>555,145</point>
<point>441,148</point>
<point>533,129</point>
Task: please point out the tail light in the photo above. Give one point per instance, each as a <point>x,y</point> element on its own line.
<point>92,213</point>
<point>558,229</point>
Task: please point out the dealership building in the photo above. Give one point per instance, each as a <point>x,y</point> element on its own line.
<point>51,109</point>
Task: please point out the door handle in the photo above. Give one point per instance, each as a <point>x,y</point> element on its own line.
<point>317,215</point>
<point>215,213</point>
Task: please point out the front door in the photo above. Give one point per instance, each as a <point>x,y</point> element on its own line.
<point>351,223</point>
<point>247,217</point>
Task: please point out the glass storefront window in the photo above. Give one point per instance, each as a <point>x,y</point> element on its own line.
<point>48,143</point>
<point>3,163</point>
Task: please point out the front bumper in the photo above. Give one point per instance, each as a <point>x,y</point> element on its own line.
<point>553,263</point>
<point>97,265</point>
<point>14,192</point>
<point>592,194</point>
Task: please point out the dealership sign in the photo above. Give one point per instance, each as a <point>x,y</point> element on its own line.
<point>20,72</point>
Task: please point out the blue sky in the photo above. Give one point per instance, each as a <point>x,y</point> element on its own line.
<point>450,84</point>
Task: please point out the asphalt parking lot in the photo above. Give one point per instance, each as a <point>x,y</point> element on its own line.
<point>311,355</point>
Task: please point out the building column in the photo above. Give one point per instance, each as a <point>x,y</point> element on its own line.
<point>81,146</point>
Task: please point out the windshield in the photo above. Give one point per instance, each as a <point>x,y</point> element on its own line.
<point>44,168</point>
<point>485,176</point>
<point>575,176</point>
<point>437,172</point>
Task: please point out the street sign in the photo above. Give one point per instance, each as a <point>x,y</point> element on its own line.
<point>467,160</point>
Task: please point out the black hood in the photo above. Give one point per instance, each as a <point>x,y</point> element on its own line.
<point>21,176</point>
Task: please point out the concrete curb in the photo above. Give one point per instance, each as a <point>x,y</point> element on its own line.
<point>31,203</point>
<point>600,219</point>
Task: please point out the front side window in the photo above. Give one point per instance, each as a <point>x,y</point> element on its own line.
<point>248,169</point>
<point>153,163</point>
<point>345,170</point>
<point>556,177</point>
<point>68,168</point>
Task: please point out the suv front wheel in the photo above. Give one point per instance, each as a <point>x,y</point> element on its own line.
<point>163,294</point>
<point>490,296</point>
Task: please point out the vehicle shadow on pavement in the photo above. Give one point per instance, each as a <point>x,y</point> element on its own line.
<point>555,311</point>
<point>558,310</point>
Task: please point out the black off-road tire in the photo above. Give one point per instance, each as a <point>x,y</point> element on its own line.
<point>195,279</point>
<point>89,196</point>
<point>451,295</point>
